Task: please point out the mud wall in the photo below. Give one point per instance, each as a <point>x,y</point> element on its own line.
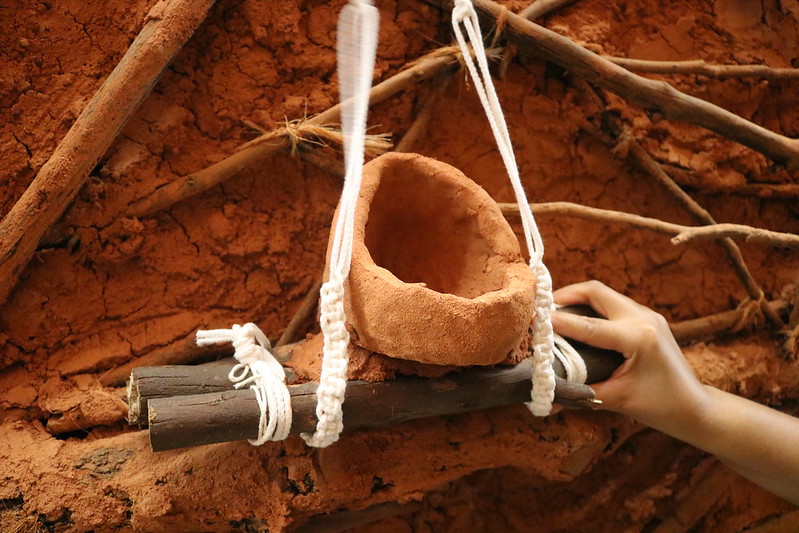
<point>106,289</point>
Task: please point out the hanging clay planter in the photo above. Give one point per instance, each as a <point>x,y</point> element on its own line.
<point>437,274</point>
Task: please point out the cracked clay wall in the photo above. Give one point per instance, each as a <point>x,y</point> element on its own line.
<point>105,289</point>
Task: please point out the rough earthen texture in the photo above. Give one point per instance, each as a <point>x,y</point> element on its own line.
<point>115,289</point>
<point>437,275</point>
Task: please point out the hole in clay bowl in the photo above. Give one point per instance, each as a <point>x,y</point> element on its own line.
<point>422,228</point>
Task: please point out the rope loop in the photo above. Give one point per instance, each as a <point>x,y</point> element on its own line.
<point>543,390</point>
<point>356,49</point>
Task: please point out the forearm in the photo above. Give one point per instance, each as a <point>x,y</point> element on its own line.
<point>759,443</point>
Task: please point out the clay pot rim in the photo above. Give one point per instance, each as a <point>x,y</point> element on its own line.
<point>513,283</point>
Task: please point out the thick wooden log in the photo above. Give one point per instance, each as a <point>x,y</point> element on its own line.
<point>183,421</point>
<point>148,383</point>
<point>167,27</point>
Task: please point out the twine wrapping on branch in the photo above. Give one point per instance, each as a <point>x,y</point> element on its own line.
<point>544,344</point>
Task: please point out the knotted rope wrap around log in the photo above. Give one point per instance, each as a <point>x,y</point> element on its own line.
<point>259,369</point>
<point>545,343</point>
<point>357,45</point>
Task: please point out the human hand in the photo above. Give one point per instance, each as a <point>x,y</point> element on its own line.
<point>654,385</point>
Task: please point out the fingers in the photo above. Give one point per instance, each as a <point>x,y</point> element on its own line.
<point>594,331</point>
<point>602,298</point>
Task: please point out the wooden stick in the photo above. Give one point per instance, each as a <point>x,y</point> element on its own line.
<point>167,27</point>
<point>305,310</point>
<point>254,152</point>
<point>541,8</point>
<point>182,421</point>
<point>175,380</point>
<point>711,325</point>
<point>652,95</point>
<point>180,352</point>
<point>700,67</point>
<point>631,146</point>
<point>150,382</point>
<point>536,10</point>
<point>760,190</point>
<point>680,234</point>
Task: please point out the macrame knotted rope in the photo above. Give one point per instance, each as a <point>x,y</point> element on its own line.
<point>543,336</point>
<point>259,369</point>
<point>357,44</point>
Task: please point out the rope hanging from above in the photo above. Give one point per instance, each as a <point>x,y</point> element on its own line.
<point>357,45</point>
<point>544,338</point>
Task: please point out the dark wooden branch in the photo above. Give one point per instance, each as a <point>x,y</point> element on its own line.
<point>179,380</point>
<point>652,95</point>
<point>183,421</point>
<point>150,383</point>
<point>168,26</point>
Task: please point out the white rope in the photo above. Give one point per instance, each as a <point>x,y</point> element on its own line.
<point>543,390</point>
<point>259,369</point>
<point>357,44</point>
<point>576,371</point>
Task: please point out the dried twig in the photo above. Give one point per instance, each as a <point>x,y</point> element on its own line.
<point>700,67</point>
<point>181,421</point>
<point>631,146</point>
<point>680,234</point>
<point>541,8</point>
<point>168,25</point>
<point>652,95</point>
<point>727,321</point>
<point>760,190</point>
<point>256,150</point>
<point>536,10</point>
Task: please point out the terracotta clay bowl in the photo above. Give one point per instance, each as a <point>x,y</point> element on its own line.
<point>437,274</point>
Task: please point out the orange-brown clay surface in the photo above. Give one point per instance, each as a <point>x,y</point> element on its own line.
<point>105,289</point>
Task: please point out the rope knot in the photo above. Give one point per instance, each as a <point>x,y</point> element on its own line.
<point>462,10</point>
<point>264,374</point>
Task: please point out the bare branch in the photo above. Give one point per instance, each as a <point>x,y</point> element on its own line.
<point>700,67</point>
<point>168,26</point>
<point>680,234</point>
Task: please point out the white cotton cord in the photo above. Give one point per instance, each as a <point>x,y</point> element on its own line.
<point>357,45</point>
<point>572,362</point>
<point>543,390</point>
<point>258,368</point>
